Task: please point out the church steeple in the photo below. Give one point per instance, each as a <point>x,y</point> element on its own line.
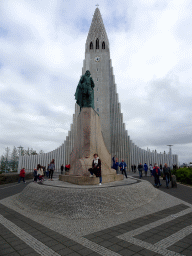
<point>97,36</point>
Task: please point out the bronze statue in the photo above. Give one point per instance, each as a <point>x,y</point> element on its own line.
<point>84,94</point>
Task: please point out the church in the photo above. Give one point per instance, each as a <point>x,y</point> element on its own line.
<point>117,140</point>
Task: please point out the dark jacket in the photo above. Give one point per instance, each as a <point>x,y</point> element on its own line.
<point>140,167</point>
<point>115,164</point>
<point>156,172</point>
<point>166,171</point>
<point>35,173</point>
<point>97,168</point>
<point>121,165</point>
<point>145,167</point>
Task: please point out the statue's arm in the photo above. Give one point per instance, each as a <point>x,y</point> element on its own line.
<point>92,83</point>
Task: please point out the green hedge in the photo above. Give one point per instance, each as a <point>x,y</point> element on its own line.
<point>13,177</point>
<point>183,175</point>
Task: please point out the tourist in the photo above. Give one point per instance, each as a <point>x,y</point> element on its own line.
<point>67,167</point>
<point>156,174</point>
<point>62,168</point>
<point>140,169</point>
<point>115,164</point>
<point>40,173</point>
<point>167,174</point>
<point>51,169</point>
<point>47,171</point>
<point>123,167</point>
<point>96,168</point>
<point>35,175</point>
<point>134,167</point>
<point>145,169</point>
<point>22,175</point>
<point>151,169</point>
<point>161,169</point>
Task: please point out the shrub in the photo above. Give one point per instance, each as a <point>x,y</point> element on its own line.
<point>13,177</point>
<point>184,175</point>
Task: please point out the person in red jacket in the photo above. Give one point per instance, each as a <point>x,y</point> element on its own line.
<point>22,175</point>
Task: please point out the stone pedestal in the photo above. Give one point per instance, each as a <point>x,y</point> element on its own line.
<point>89,140</point>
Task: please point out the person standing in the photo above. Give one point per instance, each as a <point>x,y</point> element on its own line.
<point>151,169</point>
<point>22,175</point>
<point>145,169</point>
<point>96,168</point>
<point>51,169</point>
<point>47,171</point>
<point>62,168</point>
<point>134,168</point>
<point>35,175</point>
<point>140,169</point>
<point>161,169</point>
<point>115,164</point>
<point>123,167</point>
<point>156,174</point>
<point>167,174</point>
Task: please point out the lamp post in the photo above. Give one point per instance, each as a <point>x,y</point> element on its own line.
<point>20,148</point>
<point>170,157</point>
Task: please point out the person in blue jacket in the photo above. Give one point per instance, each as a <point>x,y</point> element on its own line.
<point>156,174</point>
<point>115,164</point>
<point>145,168</point>
<point>123,167</point>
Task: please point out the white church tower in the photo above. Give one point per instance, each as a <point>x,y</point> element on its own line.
<point>98,62</point>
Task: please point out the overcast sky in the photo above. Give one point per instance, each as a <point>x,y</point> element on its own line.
<point>42,47</point>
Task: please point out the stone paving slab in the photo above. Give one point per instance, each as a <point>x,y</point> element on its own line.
<point>114,235</point>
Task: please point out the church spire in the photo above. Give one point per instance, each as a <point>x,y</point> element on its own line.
<point>97,33</point>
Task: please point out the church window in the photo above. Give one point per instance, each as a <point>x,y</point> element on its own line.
<point>91,46</point>
<point>97,79</point>
<point>97,99</point>
<point>97,69</point>
<point>97,89</point>
<point>97,109</point>
<point>103,45</point>
<point>97,43</point>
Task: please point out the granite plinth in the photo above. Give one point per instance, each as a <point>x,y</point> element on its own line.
<point>89,140</point>
<point>85,180</point>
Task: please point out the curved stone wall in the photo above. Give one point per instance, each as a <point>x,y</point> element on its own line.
<point>84,202</point>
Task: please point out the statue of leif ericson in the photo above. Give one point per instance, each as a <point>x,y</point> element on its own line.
<point>84,94</point>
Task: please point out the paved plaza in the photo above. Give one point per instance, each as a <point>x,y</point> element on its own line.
<point>128,217</point>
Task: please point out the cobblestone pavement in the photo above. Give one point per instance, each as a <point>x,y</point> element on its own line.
<point>140,220</point>
<point>182,192</point>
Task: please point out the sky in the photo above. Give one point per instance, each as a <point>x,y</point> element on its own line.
<point>42,47</point>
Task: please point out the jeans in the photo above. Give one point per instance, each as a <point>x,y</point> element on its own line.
<point>157,181</point>
<point>140,174</point>
<point>167,180</point>
<point>21,178</point>
<point>50,173</point>
<point>124,171</point>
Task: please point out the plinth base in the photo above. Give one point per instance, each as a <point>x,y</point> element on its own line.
<point>85,180</point>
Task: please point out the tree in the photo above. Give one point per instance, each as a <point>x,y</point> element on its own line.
<point>41,152</point>
<point>14,159</point>
<point>7,156</point>
<point>3,163</point>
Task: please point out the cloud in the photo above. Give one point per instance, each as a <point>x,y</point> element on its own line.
<point>42,47</point>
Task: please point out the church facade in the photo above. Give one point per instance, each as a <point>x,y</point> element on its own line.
<point>117,140</point>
